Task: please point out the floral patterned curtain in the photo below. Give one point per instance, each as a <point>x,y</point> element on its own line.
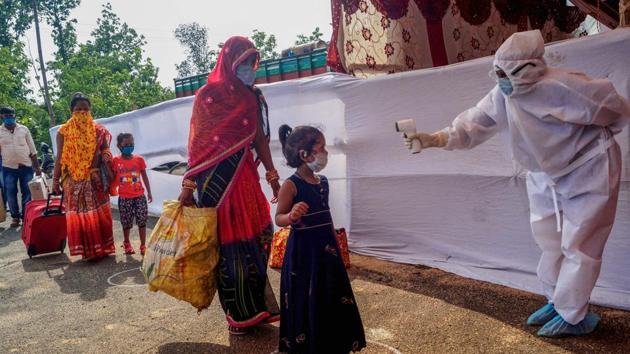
<point>624,13</point>
<point>373,37</point>
<point>605,11</point>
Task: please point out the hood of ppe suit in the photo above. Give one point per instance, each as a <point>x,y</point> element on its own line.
<point>521,58</point>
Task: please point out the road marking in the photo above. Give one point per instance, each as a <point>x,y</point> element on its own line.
<point>110,282</point>
<point>391,349</point>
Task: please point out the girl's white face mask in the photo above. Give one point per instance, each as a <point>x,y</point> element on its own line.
<point>320,162</point>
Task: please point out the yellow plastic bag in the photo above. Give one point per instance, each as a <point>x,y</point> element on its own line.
<point>183,253</point>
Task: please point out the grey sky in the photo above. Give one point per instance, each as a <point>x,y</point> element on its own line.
<point>156,20</point>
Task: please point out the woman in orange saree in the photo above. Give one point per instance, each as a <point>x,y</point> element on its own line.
<point>82,148</point>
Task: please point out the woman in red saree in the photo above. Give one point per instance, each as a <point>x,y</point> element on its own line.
<point>228,128</point>
<point>82,148</point>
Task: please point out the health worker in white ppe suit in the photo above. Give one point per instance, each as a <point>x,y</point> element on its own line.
<point>560,125</point>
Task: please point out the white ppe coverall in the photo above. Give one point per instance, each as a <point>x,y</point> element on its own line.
<point>560,125</point>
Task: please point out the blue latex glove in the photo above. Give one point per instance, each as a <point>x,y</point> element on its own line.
<point>558,327</point>
<point>542,316</point>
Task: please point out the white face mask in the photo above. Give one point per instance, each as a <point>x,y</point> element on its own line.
<point>320,162</point>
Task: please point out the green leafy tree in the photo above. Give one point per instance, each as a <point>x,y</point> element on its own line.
<point>200,59</point>
<point>316,35</point>
<point>113,36</point>
<point>15,19</point>
<point>14,68</point>
<point>57,15</point>
<point>266,45</point>
<point>111,69</point>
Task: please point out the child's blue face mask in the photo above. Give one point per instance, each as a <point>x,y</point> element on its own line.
<point>246,74</point>
<point>127,150</point>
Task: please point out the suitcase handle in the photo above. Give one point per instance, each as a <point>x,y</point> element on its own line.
<point>53,210</point>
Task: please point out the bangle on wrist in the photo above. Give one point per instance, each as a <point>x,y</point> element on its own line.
<point>272,176</point>
<point>188,184</point>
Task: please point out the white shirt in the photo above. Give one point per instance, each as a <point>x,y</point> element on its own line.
<point>16,147</point>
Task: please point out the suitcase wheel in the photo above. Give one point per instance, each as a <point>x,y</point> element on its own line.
<point>31,251</point>
<point>62,246</point>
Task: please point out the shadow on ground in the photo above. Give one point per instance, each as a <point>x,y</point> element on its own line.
<point>9,235</point>
<point>264,340</point>
<point>507,305</point>
<point>89,279</point>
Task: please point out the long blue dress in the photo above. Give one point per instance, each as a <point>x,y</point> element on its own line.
<point>319,313</point>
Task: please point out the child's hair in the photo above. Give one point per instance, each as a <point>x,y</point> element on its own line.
<point>123,136</point>
<point>293,140</point>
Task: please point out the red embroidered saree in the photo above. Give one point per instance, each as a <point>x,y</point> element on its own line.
<point>225,118</point>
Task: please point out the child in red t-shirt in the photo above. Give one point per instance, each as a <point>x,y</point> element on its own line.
<point>132,204</point>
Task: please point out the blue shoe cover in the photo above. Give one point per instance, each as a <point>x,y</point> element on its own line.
<point>558,327</point>
<point>542,316</point>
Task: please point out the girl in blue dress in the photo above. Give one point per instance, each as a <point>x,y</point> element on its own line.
<point>319,313</point>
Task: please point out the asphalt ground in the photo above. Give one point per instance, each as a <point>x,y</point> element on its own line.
<point>61,304</point>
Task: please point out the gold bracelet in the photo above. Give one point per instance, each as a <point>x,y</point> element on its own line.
<point>186,183</point>
<point>272,176</point>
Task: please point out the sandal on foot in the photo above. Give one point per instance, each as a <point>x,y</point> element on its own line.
<point>143,249</point>
<point>128,248</point>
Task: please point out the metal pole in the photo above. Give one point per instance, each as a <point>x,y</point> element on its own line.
<point>43,67</point>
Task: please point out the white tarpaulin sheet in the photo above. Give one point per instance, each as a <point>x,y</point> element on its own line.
<point>464,212</point>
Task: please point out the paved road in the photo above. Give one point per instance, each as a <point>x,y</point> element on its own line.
<point>60,304</point>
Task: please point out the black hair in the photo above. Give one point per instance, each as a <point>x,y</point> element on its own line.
<point>123,136</point>
<point>302,138</point>
<point>7,110</point>
<point>76,98</point>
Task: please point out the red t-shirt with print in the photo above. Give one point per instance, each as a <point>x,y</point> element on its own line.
<point>129,176</point>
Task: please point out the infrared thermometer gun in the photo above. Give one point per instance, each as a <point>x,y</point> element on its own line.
<point>408,126</point>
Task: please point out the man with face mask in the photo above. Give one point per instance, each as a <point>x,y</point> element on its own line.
<point>19,158</point>
<point>561,126</point>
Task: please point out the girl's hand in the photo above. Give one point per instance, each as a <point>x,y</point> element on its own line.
<point>150,198</point>
<point>186,197</point>
<point>298,210</point>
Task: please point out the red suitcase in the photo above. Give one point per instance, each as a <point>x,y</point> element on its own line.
<point>44,228</point>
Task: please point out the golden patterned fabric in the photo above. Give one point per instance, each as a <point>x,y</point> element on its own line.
<point>624,13</point>
<point>372,37</point>
<point>79,145</point>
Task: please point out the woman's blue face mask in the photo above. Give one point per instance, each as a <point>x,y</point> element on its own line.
<point>246,74</point>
